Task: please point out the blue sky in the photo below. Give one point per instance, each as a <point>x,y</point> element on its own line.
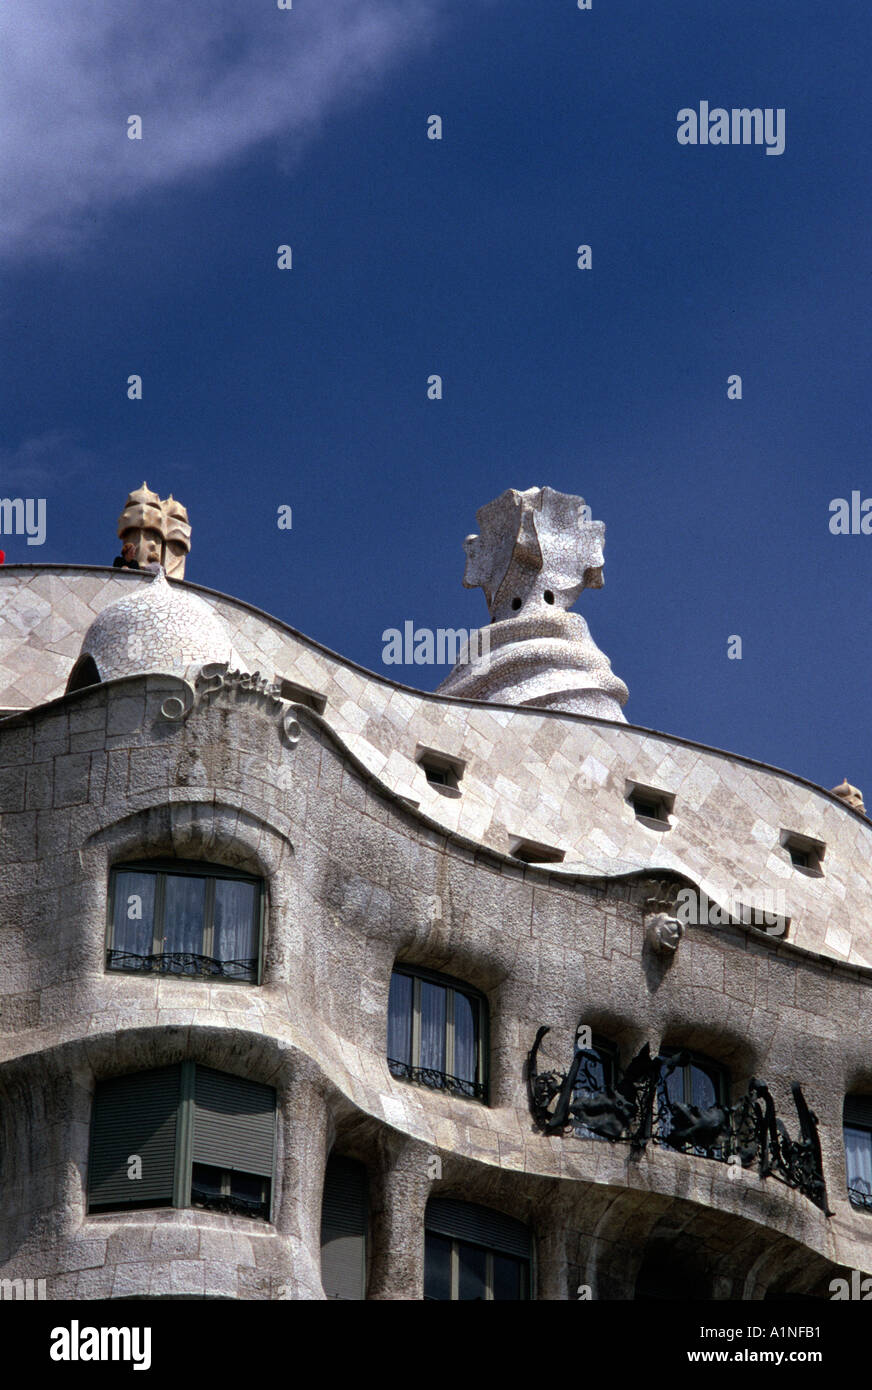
<point>307,388</point>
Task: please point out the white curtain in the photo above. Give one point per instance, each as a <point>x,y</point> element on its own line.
<point>432,1026</point>
<point>133,916</point>
<point>400,1018</point>
<point>184,906</point>
<point>858,1155</point>
<point>235,920</point>
<point>464,1037</point>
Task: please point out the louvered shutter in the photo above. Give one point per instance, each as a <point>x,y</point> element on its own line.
<point>134,1115</point>
<point>234,1123</point>
<point>478,1225</point>
<point>343,1229</point>
<point>858,1111</point>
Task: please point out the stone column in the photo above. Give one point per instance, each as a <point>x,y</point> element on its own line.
<point>306,1141</point>
<point>552,1259</point>
<point>399,1187</point>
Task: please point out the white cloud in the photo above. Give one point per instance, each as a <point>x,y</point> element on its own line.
<point>210,79</point>
<point>37,463</point>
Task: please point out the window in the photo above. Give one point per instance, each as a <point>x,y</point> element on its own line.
<point>182,1136</point>
<point>441,770</point>
<point>805,854</point>
<point>692,1095</point>
<point>651,806</point>
<point>472,1253</point>
<point>437,1032</point>
<point>858,1150</point>
<point>177,918</point>
<point>344,1221</point>
<point>532,852</point>
<point>595,1079</point>
<point>302,695</point>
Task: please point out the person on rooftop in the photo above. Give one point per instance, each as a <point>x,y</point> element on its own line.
<point>127,559</point>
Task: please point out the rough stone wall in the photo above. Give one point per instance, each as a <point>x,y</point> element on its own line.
<point>356,880</point>
<point>551,778</point>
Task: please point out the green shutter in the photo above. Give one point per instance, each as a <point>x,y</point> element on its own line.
<point>858,1111</point>
<point>343,1229</point>
<point>234,1123</point>
<point>133,1115</point>
<point>478,1225</point>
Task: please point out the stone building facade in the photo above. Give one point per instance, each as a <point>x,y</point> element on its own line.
<point>528,864</point>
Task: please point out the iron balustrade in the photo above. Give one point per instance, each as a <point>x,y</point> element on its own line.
<point>636,1108</point>
<point>437,1080</point>
<point>230,1204</point>
<point>183,963</point>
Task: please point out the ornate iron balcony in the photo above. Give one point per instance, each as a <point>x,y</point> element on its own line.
<point>860,1197</point>
<point>637,1109</point>
<point>437,1080</point>
<point>183,963</point>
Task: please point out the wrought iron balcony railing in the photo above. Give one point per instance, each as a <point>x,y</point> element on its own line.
<point>230,1204</point>
<point>636,1108</point>
<point>437,1080</point>
<point>183,963</point>
<point>860,1196</point>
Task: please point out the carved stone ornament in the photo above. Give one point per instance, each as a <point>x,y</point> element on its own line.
<point>537,551</point>
<point>663,933</point>
<point>216,676</point>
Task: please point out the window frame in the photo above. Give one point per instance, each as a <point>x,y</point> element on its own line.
<point>662,802</point>
<point>525,1263</point>
<point>180,1197</point>
<point>854,1101</point>
<point>722,1080</point>
<point>703,1063</point>
<point>419,975</point>
<point>163,867</point>
<point>608,1055</point>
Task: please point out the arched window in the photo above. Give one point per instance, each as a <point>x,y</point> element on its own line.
<point>857,1117</point>
<point>472,1253</point>
<point>437,1032</point>
<point>594,1084</point>
<point>182,1136</point>
<point>175,917</point>
<point>691,1103</point>
<point>344,1222</point>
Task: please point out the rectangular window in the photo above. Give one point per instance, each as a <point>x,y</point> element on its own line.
<point>436,1033</point>
<point>182,1136</point>
<point>474,1254</point>
<point>191,919</point>
<point>457,1272</point>
<point>858,1150</point>
<point>344,1221</point>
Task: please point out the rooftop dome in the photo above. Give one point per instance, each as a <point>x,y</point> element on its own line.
<point>159,628</point>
